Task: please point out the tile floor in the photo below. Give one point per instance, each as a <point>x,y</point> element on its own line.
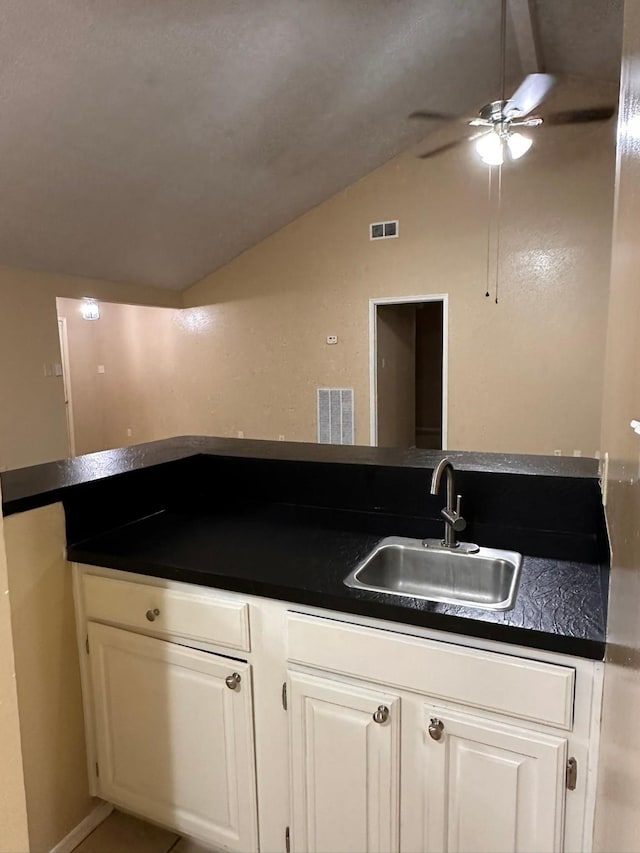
<point>121,833</point>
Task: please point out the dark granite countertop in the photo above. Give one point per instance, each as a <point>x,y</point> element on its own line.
<point>290,520</point>
<point>302,554</point>
<point>39,485</point>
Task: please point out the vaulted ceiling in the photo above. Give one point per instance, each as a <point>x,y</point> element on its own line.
<point>151,141</point>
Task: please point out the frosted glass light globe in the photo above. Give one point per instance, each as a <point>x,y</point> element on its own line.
<point>518,145</point>
<point>489,148</point>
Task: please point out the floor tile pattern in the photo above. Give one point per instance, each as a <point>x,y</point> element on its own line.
<point>122,833</point>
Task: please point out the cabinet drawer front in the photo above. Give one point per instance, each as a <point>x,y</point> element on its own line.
<point>202,615</point>
<point>517,687</point>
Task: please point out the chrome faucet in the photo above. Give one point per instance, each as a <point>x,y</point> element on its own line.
<point>454,522</point>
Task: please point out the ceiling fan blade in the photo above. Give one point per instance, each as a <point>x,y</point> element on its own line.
<point>448,145</point>
<point>430,115</point>
<point>529,121</point>
<point>581,116</point>
<point>531,92</point>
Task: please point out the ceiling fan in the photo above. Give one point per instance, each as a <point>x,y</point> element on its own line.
<point>500,121</point>
<point>496,133</point>
<point>497,136</point>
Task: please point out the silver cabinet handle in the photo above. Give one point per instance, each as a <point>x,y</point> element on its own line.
<point>233,681</point>
<point>151,614</point>
<point>436,727</point>
<point>381,715</point>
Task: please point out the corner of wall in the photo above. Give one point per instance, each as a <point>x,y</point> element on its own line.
<point>14,833</point>
<point>49,697</point>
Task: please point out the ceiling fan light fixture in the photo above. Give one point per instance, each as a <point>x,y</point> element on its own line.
<point>518,145</point>
<point>489,148</point>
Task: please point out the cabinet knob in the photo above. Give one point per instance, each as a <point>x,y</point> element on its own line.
<point>381,715</point>
<point>233,681</point>
<point>152,614</point>
<point>436,727</point>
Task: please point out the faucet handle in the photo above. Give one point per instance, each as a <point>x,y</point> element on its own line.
<point>453,518</point>
<point>460,523</point>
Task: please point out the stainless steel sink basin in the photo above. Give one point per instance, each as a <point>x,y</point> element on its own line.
<point>485,578</point>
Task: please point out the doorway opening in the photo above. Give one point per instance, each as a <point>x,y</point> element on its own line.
<point>408,371</point>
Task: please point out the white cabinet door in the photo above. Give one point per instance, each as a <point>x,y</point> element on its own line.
<point>491,788</point>
<point>344,767</point>
<point>174,742</point>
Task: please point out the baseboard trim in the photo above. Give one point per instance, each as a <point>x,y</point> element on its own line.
<point>83,829</point>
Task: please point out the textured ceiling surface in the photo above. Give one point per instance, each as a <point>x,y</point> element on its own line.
<point>151,141</point>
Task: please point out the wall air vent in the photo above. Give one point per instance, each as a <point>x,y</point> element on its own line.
<point>384,230</point>
<point>335,416</point>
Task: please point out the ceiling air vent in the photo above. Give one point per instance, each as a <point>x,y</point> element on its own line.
<point>335,415</point>
<point>384,230</point>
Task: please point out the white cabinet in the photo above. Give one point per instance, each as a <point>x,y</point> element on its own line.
<point>471,784</point>
<point>348,764</point>
<point>345,767</point>
<point>174,735</point>
<point>491,775</point>
<point>489,787</point>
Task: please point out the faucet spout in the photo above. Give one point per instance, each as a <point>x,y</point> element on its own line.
<point>443,465</point>
<point>454,522</point>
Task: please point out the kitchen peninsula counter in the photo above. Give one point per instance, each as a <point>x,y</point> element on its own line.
<point>290,521</point>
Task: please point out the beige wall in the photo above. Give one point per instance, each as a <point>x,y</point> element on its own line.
<point>138,391</point>
<point>13,809</point>
<point>618,811</point>
<point>249,351</point>
<point>47,675</point>
<point>524,375</point>
<point>32,415</point>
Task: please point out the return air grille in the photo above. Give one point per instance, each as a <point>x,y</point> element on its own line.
<point>335,415</point>
<point>384,230</point>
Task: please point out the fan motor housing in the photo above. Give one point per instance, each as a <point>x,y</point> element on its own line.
<point>493,112</point>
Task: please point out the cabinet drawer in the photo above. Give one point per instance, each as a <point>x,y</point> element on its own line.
<point>505,684</point>
<point>195,615</point>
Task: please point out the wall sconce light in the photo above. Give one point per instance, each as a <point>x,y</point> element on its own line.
<point>90,310</point>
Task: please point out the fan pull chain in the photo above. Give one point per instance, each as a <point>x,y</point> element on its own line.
<point>503,78</point>
<point>503,69</point>
<point>499,223</point>
<point>489,228</point>
<point>503,49</point>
